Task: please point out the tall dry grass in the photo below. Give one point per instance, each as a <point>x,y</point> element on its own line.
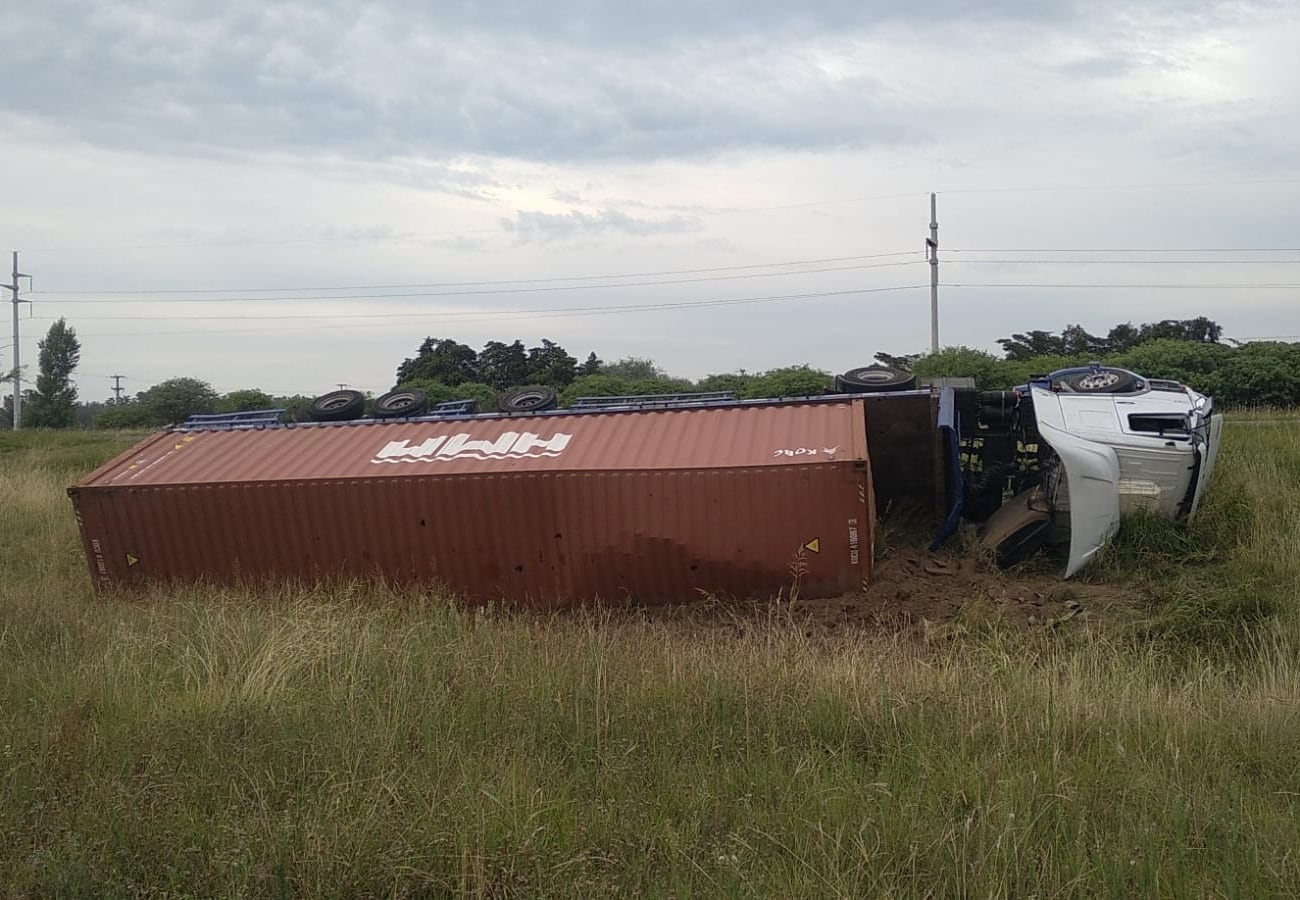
<point>361,742</point>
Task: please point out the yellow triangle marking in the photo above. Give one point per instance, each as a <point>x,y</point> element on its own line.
<point>815,545</point>
<point>177,446</point>
<point>131,560</point>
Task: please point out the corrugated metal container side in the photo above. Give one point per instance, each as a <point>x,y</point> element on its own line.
<point>653,506</point>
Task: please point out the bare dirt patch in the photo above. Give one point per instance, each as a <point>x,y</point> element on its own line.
<point>913,590</point>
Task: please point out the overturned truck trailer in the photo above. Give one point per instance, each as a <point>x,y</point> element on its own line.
<point>654,499</point>
<point>549,509</point>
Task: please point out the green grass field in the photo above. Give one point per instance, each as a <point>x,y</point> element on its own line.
<point>357,742</point>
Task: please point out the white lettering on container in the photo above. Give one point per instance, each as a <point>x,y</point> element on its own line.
<point>510,445</point>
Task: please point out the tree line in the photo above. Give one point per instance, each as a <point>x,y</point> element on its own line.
<point>1189,350</point>
<point>1258,373</point>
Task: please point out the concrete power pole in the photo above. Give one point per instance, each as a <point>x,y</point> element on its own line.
<point>117,388</point>
<point>18,370</point>
<point>932,254</point>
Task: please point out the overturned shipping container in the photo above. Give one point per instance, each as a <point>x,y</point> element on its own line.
<point>544,510</point>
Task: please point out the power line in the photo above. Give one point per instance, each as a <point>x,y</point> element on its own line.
<point>991,284</point>
<point>1133,250</point>
<point>1150,185</point>
<point>1133,262</point>
<point>56,296</point>
<point>450,284</point>
<point>559,313</point>
<point>548,282</point>
<point>573,224</point>
<point>579,224</point>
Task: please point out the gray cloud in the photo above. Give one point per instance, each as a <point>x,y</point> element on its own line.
<point>527,225</point>
<point>566,81</point>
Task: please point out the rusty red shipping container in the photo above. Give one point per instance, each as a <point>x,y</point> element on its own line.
<point>655,505</point>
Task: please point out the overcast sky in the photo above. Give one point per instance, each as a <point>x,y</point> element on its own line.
<point>293,195</point>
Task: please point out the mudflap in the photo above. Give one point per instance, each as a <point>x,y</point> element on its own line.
<point>1018,527</point>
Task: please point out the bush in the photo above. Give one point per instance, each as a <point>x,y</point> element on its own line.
<point>441,393</point>
<point>989,372</point>
<point>127,415</point>
<point>790,381</point>
<point>615,386</point>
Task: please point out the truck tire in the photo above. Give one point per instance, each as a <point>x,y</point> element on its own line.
<point>337,406</point>
<point>1102,380</point>
<point>402,404</point>
<point>871,379</point>
<point>996,408</point>
<point>535,398</point>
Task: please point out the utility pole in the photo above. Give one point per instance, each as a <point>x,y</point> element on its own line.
<point>117,388</point>
<point>18,370</point>
<point>932,254</point>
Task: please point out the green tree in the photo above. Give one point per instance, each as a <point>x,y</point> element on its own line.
<point>1190,362</point>
<point>1031,344</point>
<point>633,368</point>
<point>1076,341</point>
<point>54,402</point>
<point>7,411</point>
<point>902,363</point>
<point>503,365</point>
<point>89,412</point>
<point>593,365</point>
<point>551,364</point>
<point>485,394</point>
<point>245,400</point>
<point>1200,330</point>
<point>172,401</point>
<point>736,382</point>
<point>294,406</point>
<point>790,381</point>
<point>601,385</point>
<point>126,414</point>
<point>1261,373</point>
<point>661,385</point>
<point>989,372</point>
<point>442,360</point>
<point>438,392</point>
<point>1123,337</point>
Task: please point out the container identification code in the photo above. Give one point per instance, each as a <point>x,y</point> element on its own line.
<point>804,451</point>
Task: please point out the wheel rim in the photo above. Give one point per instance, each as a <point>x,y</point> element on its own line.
<point>400,401</point>
<point>530,400</point>
<point>335,403</point>
<point>1097,381</point>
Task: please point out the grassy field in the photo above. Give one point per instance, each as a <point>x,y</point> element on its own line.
<point>357,742</point>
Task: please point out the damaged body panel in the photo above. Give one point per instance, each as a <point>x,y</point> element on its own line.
<point>1090,492</point>
<point>1095,456</point>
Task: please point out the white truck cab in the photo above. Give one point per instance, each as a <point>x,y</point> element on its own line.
<point>1109,443</point>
